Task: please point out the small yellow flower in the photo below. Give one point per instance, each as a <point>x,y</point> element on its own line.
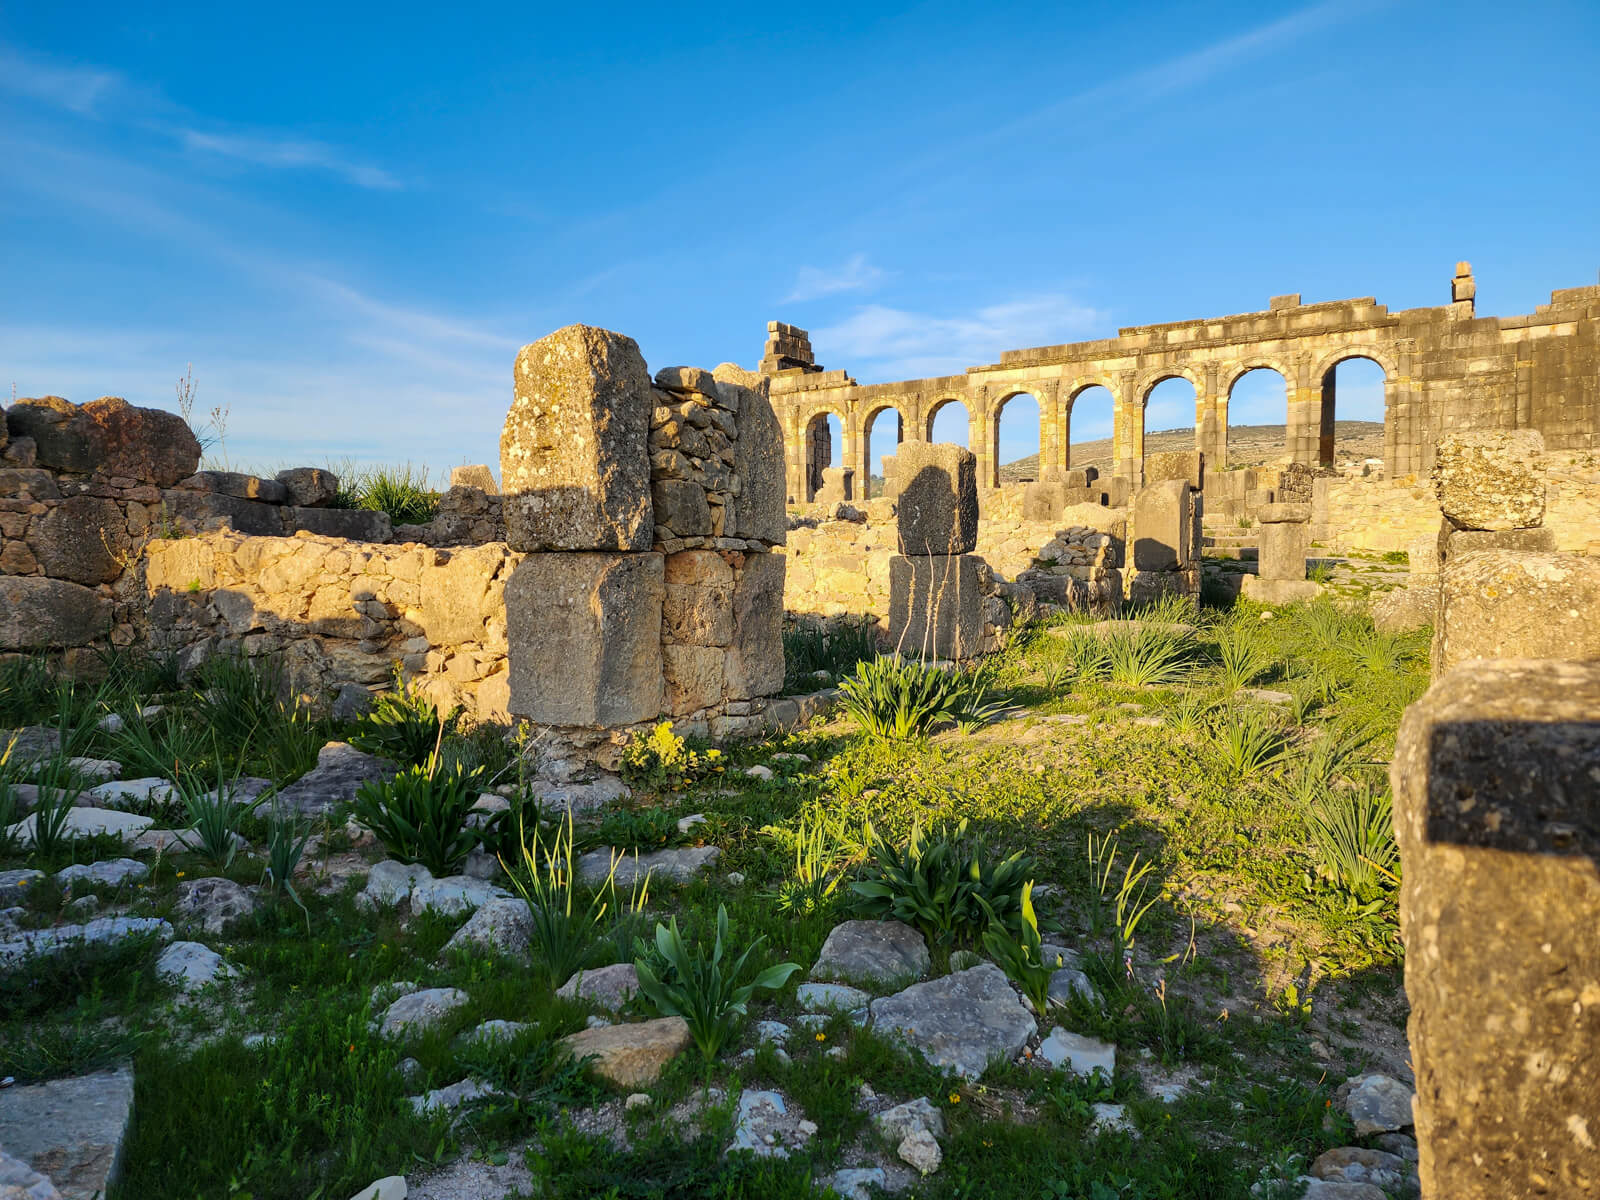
<point>955,1097</point>
<point>822,1037</point>
<point>180,875</point>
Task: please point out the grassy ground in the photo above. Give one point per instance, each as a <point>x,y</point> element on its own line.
<point>1262,975</point>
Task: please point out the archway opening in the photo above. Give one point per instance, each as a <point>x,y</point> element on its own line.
<point>1091,428</point>
<point>948,422</point>
<point>882,435</point>
<point>824,447</point>
<point>1016,449</point>
<point>1168,416</point>
<point>1352,413</point>
<point>1258,418</point>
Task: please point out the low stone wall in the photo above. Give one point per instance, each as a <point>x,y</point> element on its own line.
<point>339,613</point>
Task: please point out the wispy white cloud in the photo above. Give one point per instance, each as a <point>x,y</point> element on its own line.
<point>878,342</point>
<point>78,89</point>
<point>856,275</point>
<point>288,153</point>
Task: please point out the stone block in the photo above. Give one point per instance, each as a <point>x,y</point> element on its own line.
<point>698,609</point>
<point>1283,549</point>
<point>1456,542</point>
<point>107,437</point>
<point>693,380</point>
<point>584,638</point>
<point>938,501</point>
<point>758,461</point>
<point>1283,513</point>
<point>838,485</point>
<point>1517,604</point>
<point>82,539</point>
<point>1484,479</point>
<point>475,475</point>
<point>1043,501</point>
<point>1163,526</point>
<point>1084,495</point>
<point>680,505</point>
<point>1079,477</point>
<point>38,613</point>
<point>936,605</point>
<point>354,524</point>
<point>216,510</point>
<point>1278,591</point>
<point>1494,808</point>
<point>1188,465</point>
<point>693,677</point>
<point>1256,499</point>
<point>574,453</point>
<point>71,1130</point>
<point>755,656</point>
<point>309,487</point>
<point>238,485</point>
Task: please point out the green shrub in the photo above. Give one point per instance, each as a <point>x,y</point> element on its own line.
<point>822,852</point>
<point>403,724</point>
<point>642,829</point>
<point>836,649</point>
<point>1242,656</point>
<point>901,699</point>
<point>286,844</point>
<point>1246,741</point>
<point>1145,654</point>
<point>1353,831</point>
<point>665,762</point>
<point>705,991</point>
<point>212,820</point>
<point>944,883</point>
<point>420,816</point>
<point>1021,955</point>
<point>563,927</point>
<point>401,491</point>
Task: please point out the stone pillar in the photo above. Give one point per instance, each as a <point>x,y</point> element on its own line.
<point>1494,809</point>
<point>935,598</point>
<point>1285,542</point>
<point>1162,539</point>
<point>838,486</point>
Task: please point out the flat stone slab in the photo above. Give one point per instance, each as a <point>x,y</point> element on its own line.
<point>1078,1054</point>
<point>100,931</point>
<point>609,987</point>
<point>831,997</point>
<point>420,1011</point>
<point>70,1129</point>
<point>109,873</point>
<point>86,822</point>
<point>767,1127</point>
<point>448,1099</point>
<point>131,793</point>
<point>675,866</point>
<point>961,1022</point>
<point>873,952</point>
<point>340,771</point>
<point>454,895</point>
<point>630,1055</point>
<point>192,966</point>
<point>494,1031</point>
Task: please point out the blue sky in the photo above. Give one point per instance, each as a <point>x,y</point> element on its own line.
<point>348,223</point>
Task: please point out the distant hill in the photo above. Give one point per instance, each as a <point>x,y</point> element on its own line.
<point>1248,446</point>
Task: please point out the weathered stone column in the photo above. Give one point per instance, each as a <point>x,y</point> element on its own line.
<point>935,594</point>
<point>1163,539</point>
<point>1497,812</point>
<point>1281,570</point>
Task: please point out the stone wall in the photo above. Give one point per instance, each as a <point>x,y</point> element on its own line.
<point>341,614</point>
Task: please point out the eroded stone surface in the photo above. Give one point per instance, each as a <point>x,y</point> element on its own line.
<point>609,987</point>
<point>630,1055</point>
<point>192,966</point>
<point>112,872</point>
<point>501,926</point>
<point>420,1011</point>
<point>960,1022</point>
<point>674,866</point>
<point>340,771</point>
<point>1511,604</point>
<point>873,952</point>
<point>70,1129</point>
<point>218,904</point>
<point>1484,478</point>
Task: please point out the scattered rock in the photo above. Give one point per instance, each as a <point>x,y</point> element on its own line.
<point>635,1101</point>
<point>494,1031</point>
<point>858,1183</point>
<point>340,771</point>
<point>1376,1103</point>
<point>763,773</point>
<point>1111,1118</point>
<point>86,822</point>
<point>1351,1164</point>
<point>95,770</point>
<point>1078,1054</point>
<point>111,873</point>
<point>766,1127</point>
<point>454,895</point>
<point>100,931</point>
<point>960,1022</point>
<point>873,951</point>
<point>735,878</point>
<point>215,902</point>
<point>1324,1189</point>
<point>31,743</point>
<point>83,907</point>
<point>1268,696</point>
<point>1399,1145</point>
<point>609,987</point>
<point>392,1187</point>
<point>630,1055</point>
<point>131,793</point>
<point>896,1123</point>
<point>919,1149</point>
<point>775,1032</point>
<point>15,885</point>
<point>581,797</point>
<point>191,966</point>
<point>420,1011</point>
<point>831,997</point>
<point>693,821</point>
<point>168,841</point>
<point>70,1129</point>
<point>389,882</point>
<point>675,866</point>
<point>500,926</point>
<point>448,1099</point>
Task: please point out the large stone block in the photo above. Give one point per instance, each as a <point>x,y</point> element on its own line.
<point>476,475</point>
<point>1495,811</point>
<point>356,524</point>
<point>699,599</point>
<point>82,539</point>
<point>1043,501</point>
<point>1515,604</point>
<point>38,613</point>
<point>1163,526</point>
<point>936,605</point>
<point>107,437</point>
<point>215,510</point>
<point>1453,542</point>
<point>938,501</point>
<point>310,487</point>
<point>1283,549</point>
<point>1188,465</point>
<point>584,636</point>
<point>758,461</point>
<point>694,677</point>
<point>838,485</point>
<point>574,453</point>
<point>680,505</point>
<point>755,656</point>
<point>1484,479</point>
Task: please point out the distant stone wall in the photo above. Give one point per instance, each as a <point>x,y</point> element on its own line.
<point>340,614</point>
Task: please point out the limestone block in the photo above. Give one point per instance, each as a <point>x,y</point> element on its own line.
<point>938,500</point>
<point>1453,543</point>
<point>698,609</point>
<point>692,380</point>
<point>81,539</point>
<point>1283,549</point>
<point>309,487</point>
<point>1494,808</point>
<point>1278,591</point>
<point>1484,479</point>
<point>38,613</point>
<point>1163,526</point>
<point>1283,513</point>
<point>238,485</point>
<point>1516,604</point>
<point>108,437</point>
<point>693,677</point>
<point>1043,501</point>
<point>574,453</point>
<point>936,605</point>
<point>758,461</point>
<point>755,656</point>
<point>584,635</point>
<point>838,485</point>
<point>476,475</point>
<point>216,510</point>
<point>1189,465</point>
<point>680,505</point>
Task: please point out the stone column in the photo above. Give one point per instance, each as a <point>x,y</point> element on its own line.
<point>1285,542</point>
<point>1162,538</point>
<point>935,598</point>
<point>1494,809</point>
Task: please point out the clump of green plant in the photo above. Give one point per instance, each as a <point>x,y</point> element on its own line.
<point>664,761</point>
<point>901,699</point>
<point>1146,653</point>
<point>710,994</point>
<point>420,815</point>
<point>836,649</point>
<point>1353,831</point>
<point>1021,955</point>
<point>943,882</point>
<point>212,820</point>
<point>1241,655</point>
<point>823,851</point>
<point>564,922</point>
<point>286,845</point>
<point>59,786</point>
<point>638,829</point>
<point>404,724</point>
<point>525,816</point>
<point>401,491</point>
<point>1246,741</point>
<point>1117,904</point>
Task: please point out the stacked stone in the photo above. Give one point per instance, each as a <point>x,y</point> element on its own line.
<point>891,487</point>
<point>1164,560</point>
<point>788,349</point>
<point>838,486</point>
<point>1504,591</point>
<point>1285,542</point>
<point>468,515</point>
<point>647,512</point>
<point>935,589</point>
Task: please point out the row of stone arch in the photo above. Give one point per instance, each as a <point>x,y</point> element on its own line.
<point>1310,398</point>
